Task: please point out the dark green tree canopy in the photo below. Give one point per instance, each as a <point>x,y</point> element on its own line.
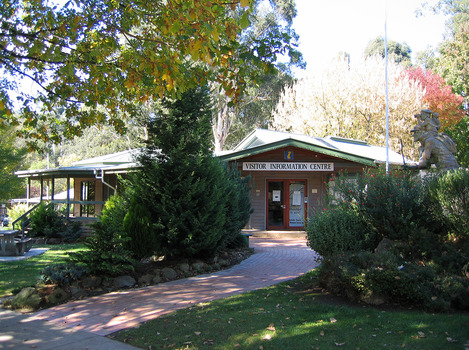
<point>182,198</point>
<point>11,158</point>
<point>398,52</point>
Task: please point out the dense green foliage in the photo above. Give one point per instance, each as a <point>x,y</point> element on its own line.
<point>385,277</point>
<point>238,205</point>
<point>10,160</point>
<point>62,274</point>
<point>393,205</point>
<point>106,253</point>
<point>137,224</point>
<point>398,52</point>
<point>449,195</point>
<point>337,230</point>
<point>421,227</point>
<point>113,213</point>
<point>460,134</point>
<point>48,222</point>
<point>183,201</point>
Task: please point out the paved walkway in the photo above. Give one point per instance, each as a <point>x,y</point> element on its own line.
<point>274,261</point>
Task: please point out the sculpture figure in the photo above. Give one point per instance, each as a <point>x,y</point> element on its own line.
<point>436,148</point>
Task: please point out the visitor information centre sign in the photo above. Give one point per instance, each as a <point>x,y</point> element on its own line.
<point>287,166</point>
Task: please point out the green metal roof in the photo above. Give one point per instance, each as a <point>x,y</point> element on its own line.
<point>263,140</point>
<point>299,144</point>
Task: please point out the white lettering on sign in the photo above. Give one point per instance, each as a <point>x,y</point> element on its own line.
<point>283,166</point>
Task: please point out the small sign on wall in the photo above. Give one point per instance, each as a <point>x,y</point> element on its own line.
<point>289,155</point>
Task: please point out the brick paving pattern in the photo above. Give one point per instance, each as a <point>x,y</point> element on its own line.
<point>274,261</point>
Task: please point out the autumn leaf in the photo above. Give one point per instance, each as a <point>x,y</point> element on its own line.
<point>245,3</point>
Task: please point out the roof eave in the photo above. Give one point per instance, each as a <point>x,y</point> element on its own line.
<point>300,144</point>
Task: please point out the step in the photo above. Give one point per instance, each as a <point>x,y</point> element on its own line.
<point>276,234</point>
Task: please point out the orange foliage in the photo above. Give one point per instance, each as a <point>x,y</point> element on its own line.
<point>439,96</point>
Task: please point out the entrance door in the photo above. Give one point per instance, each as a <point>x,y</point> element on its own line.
<point>87,194</point>
<point>286,207</point>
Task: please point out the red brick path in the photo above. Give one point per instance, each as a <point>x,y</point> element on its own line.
<point>274,261</point>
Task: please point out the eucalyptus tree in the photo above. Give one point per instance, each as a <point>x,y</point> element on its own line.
<point>99,59</point>
<point>271,32</point>
<point>398,52</point>
<point>10,160</point>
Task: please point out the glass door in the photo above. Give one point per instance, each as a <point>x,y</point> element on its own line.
<point>286,204</point>
<point>87,194</point>
<point>275,204</point>
<point>297,205</point>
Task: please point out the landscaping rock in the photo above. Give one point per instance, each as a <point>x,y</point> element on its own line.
<point>184,267</point>
<point>28,299</point>
<point>124,282</point>
<point>53,241</point>
<point>145,280</point>
<point>58,296</point>
<point>107,282</point>
<point>385,245</point>
<point>91,282</point>
<point>199,266</point>
<point>77,292</point>
<point>223,262</point>
<point>169,273</point>
<point>39,241</point>
<point>156,279</point>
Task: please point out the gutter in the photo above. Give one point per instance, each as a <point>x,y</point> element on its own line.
<point>101,177</point>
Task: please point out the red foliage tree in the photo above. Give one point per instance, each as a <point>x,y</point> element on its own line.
<point>439,96</point>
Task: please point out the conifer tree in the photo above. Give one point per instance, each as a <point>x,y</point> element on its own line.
<point>181,184</point>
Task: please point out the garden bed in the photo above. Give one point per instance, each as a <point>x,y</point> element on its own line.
<point>146,273</point>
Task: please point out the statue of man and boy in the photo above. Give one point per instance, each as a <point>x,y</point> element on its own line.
<point>436,148</point>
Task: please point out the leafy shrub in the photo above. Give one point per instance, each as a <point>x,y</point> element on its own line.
<point>72,231</point>
<point>138,229</point>
<point>46,222</point>
<point>426,221</point>
<point>384,276</point>
<point>239,209</point>
<point>16,211</point>
<point>114,212</point>
<point>392,204</point>
<point>106,254</point>
<point>337,230</point>
<point>62,274</point>
<point>449,200</point>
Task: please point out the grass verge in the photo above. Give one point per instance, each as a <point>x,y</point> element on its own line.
<point>296,315</point>
<point>16,275</point>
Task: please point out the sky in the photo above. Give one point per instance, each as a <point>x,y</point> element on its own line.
<point>327,27</point>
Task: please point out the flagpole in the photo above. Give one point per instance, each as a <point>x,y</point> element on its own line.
<point>386,79</point>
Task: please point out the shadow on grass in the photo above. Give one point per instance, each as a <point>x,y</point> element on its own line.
<point>294,315</point>
<point>19,274</point>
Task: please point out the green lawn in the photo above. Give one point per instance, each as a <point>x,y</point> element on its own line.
<point>293,315</point>
<point>15,275</point>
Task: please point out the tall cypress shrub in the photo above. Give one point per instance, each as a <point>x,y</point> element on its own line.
<point>239,207</point>
<point>181,185</point>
